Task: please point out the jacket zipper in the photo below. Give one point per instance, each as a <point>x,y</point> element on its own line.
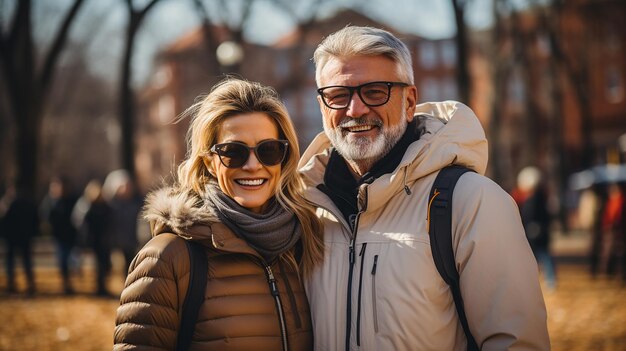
<point>358,313</point>
<point>290,294</point>
<point>375,312</point>
<point>281,315</point>
<point>351,259</point>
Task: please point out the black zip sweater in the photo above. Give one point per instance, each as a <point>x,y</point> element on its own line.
<point>339,183</point>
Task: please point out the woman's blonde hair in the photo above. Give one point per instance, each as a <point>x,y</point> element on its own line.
<point>233,96</point>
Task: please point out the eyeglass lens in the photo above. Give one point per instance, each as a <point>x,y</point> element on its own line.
<point>235,155</point>
<point>372,94</point>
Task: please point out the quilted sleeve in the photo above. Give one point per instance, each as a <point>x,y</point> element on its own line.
<point>148,315</point>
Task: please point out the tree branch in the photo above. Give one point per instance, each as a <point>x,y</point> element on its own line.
<point>57,46</point>
<point>22,16</point>
<point>146,9</point>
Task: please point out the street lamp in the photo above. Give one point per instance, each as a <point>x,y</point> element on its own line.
<point>229,53</point>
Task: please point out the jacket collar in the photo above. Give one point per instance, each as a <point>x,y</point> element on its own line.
<point>184,213</point>
<point>340,185</point>
<point>450,133</point>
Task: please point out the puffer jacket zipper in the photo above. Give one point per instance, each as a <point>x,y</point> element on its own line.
<point>374,308</point>
<point>279,307</point>
<point>358,311</point>
<point>290,295</point>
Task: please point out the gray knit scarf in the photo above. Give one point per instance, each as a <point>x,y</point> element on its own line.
<point>270,233</point>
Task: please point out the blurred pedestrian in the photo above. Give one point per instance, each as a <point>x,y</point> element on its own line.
<point>590,210</point>
<point>56,211</point>
<point>91,217</point>
<point>19,225</point>
<point>125,203</point>
<point>612,223</point>
<point>622,233</point>
<point>531,197</point>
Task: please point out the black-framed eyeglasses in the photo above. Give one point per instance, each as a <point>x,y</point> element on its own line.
<point>235,154</point>
<point>372,94</point>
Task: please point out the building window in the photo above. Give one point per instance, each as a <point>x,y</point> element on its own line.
<point>428,55</point>
<point>516,89</point>
<point>162,77</point>
<point>448,53</point>
<point>429,90</point>
<point>543,45</point>
<point>281,65</point>
<point>449,89</point>
<point>165,109</point>
<point>614,85</point>
<point>311,105</point>
<point>612,43</point>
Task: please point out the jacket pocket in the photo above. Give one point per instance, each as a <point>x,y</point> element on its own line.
<point>374,308</point>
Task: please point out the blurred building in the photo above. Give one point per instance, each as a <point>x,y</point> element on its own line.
<point>560,102</point>
<point>563,104</point>
<point>184,72</point>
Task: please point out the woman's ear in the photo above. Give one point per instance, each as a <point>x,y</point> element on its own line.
<point>209,166</point>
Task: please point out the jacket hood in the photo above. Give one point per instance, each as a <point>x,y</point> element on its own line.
<point>180,212</point>
<point>450,134</point>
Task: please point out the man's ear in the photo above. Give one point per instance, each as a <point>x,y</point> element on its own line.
<point>411,101</point>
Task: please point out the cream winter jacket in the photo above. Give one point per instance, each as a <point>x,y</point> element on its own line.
<point>398,299</point>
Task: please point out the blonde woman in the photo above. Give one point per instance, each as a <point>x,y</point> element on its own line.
<point>238,194</point>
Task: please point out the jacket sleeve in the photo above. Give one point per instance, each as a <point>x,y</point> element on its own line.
<point>498,272</point>
<point>157,281</point>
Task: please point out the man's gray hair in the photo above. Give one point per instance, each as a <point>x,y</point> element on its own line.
<point>364,41</point>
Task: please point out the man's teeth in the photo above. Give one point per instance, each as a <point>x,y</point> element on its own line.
<point>250,182</point>
<point>360,128</point>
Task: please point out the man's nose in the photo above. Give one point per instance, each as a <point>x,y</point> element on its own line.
<point>356,108</point>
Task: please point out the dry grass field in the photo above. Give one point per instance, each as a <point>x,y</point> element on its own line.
<point>583,314</point>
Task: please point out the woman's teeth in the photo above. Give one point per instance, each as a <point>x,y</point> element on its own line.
<point>250,182</point>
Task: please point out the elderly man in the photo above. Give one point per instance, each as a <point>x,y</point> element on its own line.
<point>370,174</point>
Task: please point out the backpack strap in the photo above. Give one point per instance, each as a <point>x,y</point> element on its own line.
<point>440,231</point>
<point>199,268</point>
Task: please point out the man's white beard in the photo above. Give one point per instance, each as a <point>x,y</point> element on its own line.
<point>361,149</point>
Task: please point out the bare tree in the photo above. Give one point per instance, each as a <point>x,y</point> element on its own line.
<point>305,23</point>
<point>28,86</point>
<point>232,21</point>
<point>462,73</point>
<point>524,43</point>
<point>127,96</point>
<point>501,70</point>
<point>575,66</point>
<point>211,40</point>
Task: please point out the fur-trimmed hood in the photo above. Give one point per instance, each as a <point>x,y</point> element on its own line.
<point>180,212</point>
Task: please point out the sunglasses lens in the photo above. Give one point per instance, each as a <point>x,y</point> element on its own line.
<point>233,155</point>
<point>271,152</point>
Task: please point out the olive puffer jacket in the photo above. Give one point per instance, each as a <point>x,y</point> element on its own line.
<point>239,311</point>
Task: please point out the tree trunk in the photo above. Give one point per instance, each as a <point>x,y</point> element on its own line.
<point>463,77</point>
<point>127,96</point>
<point>524,44</point>
<point>127,102</point>
<point>27,90</point>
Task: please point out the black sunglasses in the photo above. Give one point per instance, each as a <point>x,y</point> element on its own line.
<point>372,94</point>
<point>235,154</point>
